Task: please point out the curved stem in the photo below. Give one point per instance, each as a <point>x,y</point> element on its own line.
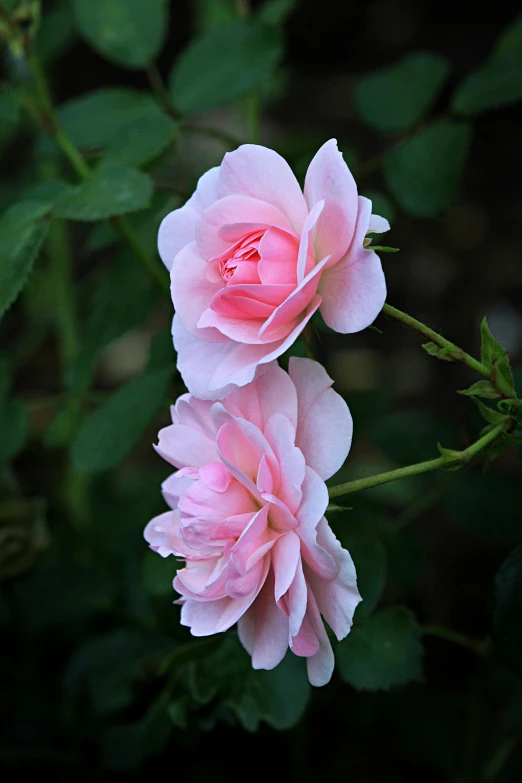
<point>477,646</point>
<point>452,350</point>
<point>457,457</point>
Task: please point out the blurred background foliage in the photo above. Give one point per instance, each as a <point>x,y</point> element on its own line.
<point>99,681</point>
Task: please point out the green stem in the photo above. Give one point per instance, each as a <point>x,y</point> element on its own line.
<point>124,228</point>
<point>500,757</point>
<point>452,350</point>
<point>48,121</point>
<point>461,457</point>
<point>158,86</point>
<point>253,118</point>
<point>66,315</point>
<point>481,648</point>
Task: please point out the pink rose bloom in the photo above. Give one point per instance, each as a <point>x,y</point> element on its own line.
<point>252,258</point>
<point>248,503</point>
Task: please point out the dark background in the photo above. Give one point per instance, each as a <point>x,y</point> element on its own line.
<point>453,529</point>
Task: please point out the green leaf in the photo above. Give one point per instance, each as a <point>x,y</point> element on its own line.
<point>122,299</point>
<point>511,38</point>
<point>22,231</point>
<point>494,356</point>
<point>107,666</point>
<point>369,557</point>
<point>423,173</point>
<point>383,249</point>
<point>56,33</point>
<point>10,101</point>
<point>440,353</point>
<point>275,12</point>
<point>381,204</point>
<point>507,624</point>
<point>278,697</point>
<point>14,428</point>
<point>93,119</point>
<point>489,414</point>
<point>108,434</point>
<point>112,190</point>
<point>384,652</point>
<point>224,64</point>
<point>497,83</point>
<point>396,98</point>
<point>480,389</point>
<point>127,32</point>
<point>158,573</point>
<point>6,377</point>
<point>141,141</point>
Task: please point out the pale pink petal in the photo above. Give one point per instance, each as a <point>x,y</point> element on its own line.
<point>155,533</point>
<point>354,290</point>
<point>184,446</point>
<point>321,665</point>
<point>309,514</point>
<point>231,210</point>
<point>178,227</point>
<point>281,436</point>
<point>306,256</point>
<point>296,601</point>
<point>286,555</point>
<point>241,584</point>
<point>325,427</point>
<point>192,292</point>
<point>329,178</point>
<point>174,486</point>
<point>263,630</point>
<point>336,599</point>
<point>263,174</point>
<point>216,476</point>
<point>296,303</point>
<point>240,364</point>
<point>305,643</point>
<point>278,252</point>
<point>243,331</point>
<point>377,225</point>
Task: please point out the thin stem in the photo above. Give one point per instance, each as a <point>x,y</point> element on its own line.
<point>461,457</point>
<point>500,757</point>
<point>228,139</point>
<point>253,118</point>
<point>66,315</point>
<point>452,350</point>
<point>124,228</point>
<point>48,121</point>
<point>481,648</point>
<point>157,85</point>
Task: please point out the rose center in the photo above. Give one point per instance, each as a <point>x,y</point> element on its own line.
<point>242,263</point>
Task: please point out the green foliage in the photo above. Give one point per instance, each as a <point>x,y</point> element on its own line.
<point>127,32</point>
<point>276,12</point>
<point>94,119</point>
<point>396,98</point>
<point>158,573</point>
<point>495,357</point>
<point>108,434</point>
<point>507,626</point>
<point>139,142</point>
<point>384,652</point>
<point>10,105</point>
<point>440,353</point>
<point>481,389</point>
<point>497,83</point>
<point>511,38</point>
<point>22,231</point>
<point>423,173</point>
<point>224,64</point>
<point>381,204</point>
<point>14,429</point>
<point>114,189</point>
<point>278,697</point>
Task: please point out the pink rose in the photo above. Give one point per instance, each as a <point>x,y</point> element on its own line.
<point>248,505</point>
<point>252,258</point>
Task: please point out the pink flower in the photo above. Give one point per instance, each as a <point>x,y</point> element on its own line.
<point>252,258</point>
<point>248,505</point>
